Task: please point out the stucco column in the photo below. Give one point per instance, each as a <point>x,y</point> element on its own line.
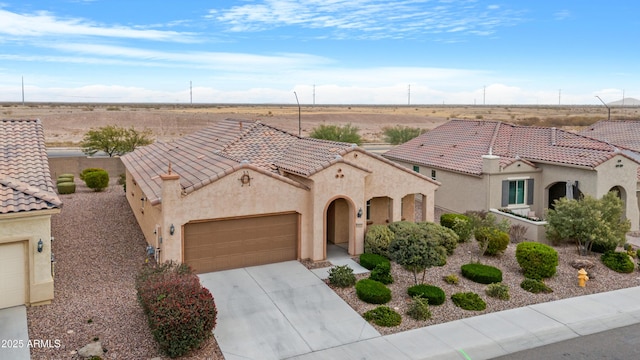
<point>171,246</point>
<point>396,208</point>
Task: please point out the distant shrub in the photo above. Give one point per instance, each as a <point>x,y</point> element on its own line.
<point>377,240</point>
<point>382,273</point>
<point>370,261</point>
<point>66,188</point>
<point>497,240</point>
<point>97,180</point>
<point>346,133</point>
<point>373,292</point>
<point>460,224</point>
<point>67,175</point>
<point>88,170</point>
<point>469,301</point>
<point>341,276</point>
<point>451,279</point>
<point>617,261</point>
<point>538,261</point>
<point>383,316</point>
<point>433,294</point>
<point>498,290</point>
<point>535,286</point>
<point>400,134</point>
<point>419,309</point>
<point>483,274</point>
<point>180,311</point>
<point>441,235</point>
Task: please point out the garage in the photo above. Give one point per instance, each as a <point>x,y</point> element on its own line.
<point>239,242</point>
<point>13,274</point>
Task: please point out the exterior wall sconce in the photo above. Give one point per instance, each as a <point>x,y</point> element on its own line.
<point>359,213</point>
<point>172,229</point>
<point>40,245</point>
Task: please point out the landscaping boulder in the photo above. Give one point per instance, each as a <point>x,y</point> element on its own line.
<point>582,263</point>
<point>91,349</point>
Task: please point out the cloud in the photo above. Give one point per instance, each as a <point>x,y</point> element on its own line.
<point>371,19</point>
<point>562,15</point>
<point>44,24</point>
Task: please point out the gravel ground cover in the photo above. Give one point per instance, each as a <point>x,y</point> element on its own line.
<point>98,250</point>
<point>564,285</point>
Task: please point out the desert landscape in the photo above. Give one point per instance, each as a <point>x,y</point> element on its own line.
<point>66,123</point>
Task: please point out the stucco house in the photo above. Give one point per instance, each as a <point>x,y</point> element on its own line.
<point>491,164</point>
<point>27,202</point>
<point>242,193</point>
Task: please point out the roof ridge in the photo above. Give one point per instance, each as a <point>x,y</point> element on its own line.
<point>244,132</point>
<point>31,190</point>
<point>494,137</point>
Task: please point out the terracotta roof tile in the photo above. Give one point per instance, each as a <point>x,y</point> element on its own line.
<point>623,133</point>
<point>25,180</point>
<point>458,145</point>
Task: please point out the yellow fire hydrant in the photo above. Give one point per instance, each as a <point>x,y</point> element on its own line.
<point>582,277</point>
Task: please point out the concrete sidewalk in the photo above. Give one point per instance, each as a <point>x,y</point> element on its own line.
<point>500,333</point>
<point>14,334</point>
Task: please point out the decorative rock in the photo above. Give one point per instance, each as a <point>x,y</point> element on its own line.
<point>91,349</point>
<point>582,264</point>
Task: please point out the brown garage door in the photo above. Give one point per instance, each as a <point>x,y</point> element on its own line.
<point>233,243</point>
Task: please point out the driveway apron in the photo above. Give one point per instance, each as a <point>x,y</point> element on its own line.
<point>278,311</point>
<point>14,334</point>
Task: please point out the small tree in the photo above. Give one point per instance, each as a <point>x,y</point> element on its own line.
<point>400,134</point>
<point>346,133</point>
<point>587,221</point>
<point>416,252</point>
<point>114,140</point>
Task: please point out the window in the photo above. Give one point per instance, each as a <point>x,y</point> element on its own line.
<point>416,168</point>
<point>517,192</point>
<point>433,174</point>
<point>368,209</point>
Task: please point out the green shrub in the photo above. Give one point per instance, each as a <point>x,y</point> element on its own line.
<point>382,273</point>
<point>370,261</point>
<point>433,294</point>
<point>383,316</point>
<point>84,172</point>
<point>402,227</point>
<point>538,261</point>
<point>66,188</point>
<point>469,301</point>
<point>451,279</point>
<point>61,179</point>
<point>97,180</point>
<point>419,309</point>
<point>346,133</point>
<point>67,175</point>
<point>617,261</point>
<point>638,253</point>
<point>497,240</point>
<point>535,286</point>
<point>602,247</point>
<point>440,235</point>
<point>498,290</point>
<point>483,274</point>
<point>181,313</point>
<point>373,292</point>
<point>377,240</point>
<point>342,276</point>
<point>460,224</point>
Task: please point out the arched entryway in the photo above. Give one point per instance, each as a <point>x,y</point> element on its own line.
<point>562,189</point>
<point>339,224</point>
<point>622,195</point>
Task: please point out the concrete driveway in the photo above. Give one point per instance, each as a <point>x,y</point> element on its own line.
<point>14,334</point>
<point>279,311</point>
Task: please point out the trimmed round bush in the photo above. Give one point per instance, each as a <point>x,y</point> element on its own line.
<point>538,261</point>
<point>419,309</point>
<point>468,301</point>
<point>497,240</point>
<point>441,235</point>
<point>370,261</point>
<point>66,188</point>
<point>97,180</point>
<point>377,240</point>
<point>382,273</point>
<point>383,316</point>
<point>373,292</point>
<point>67,175</point>
<point>535,286</point>
<point>84,172</point>
<point>61,179</point>
<point>342,276</point>
<point>617,261</point>
<point>460,224</point>
<point>480,273</point>
<point>433,294</point>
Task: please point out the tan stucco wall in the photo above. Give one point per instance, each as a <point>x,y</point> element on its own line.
<point>621,171</point>
<point>146,215</point>
<point>75,165</point>
<point>30,228</point>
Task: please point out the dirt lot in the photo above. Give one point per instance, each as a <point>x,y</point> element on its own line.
<point>65,124</point>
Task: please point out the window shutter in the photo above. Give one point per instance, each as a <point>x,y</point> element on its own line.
<point>529,191</point>
<point>505,192</point>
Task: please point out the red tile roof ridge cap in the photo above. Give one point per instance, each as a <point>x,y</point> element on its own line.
<point>242,133</point>
<point>396,165</point>
<point>31,190</point>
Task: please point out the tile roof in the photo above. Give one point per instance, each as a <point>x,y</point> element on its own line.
<point>216,151</point>
<point>25,180</point>
<point>458,145</point>
<point>624,133</point>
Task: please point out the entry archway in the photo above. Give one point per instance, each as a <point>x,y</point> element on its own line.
<point>339,224</point>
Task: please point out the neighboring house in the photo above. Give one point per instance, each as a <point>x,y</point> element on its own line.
<point>27,201</point>
<point>489,164</point>
<point>243,193</point>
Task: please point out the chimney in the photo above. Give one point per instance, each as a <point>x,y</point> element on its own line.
<point>490,163</point>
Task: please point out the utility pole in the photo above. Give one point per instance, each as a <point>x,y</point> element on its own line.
<point>484,95</point>
<point>409,95</point>
<point>190,92</point>
<point>314,94</point>
<point>23,91</point>
<point>299,122</point>
<point>607,106</point>
<point>559,95</point>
